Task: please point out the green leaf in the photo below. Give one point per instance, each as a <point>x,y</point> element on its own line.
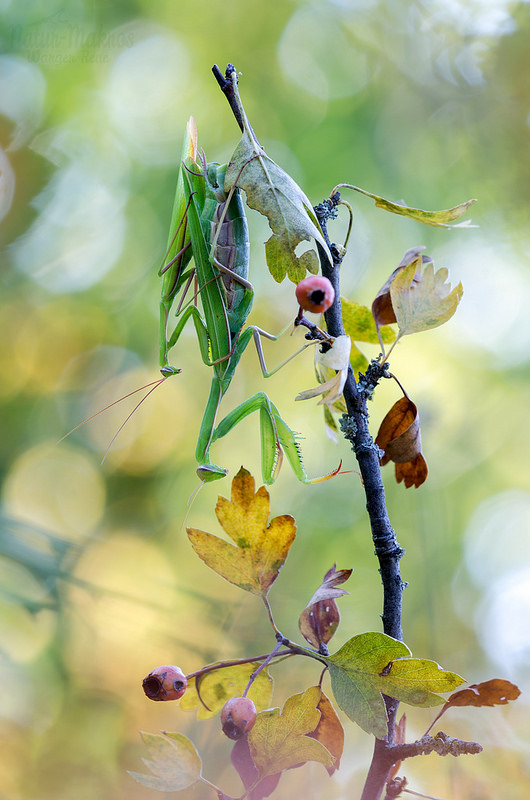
<point>260,551</point>
<point>436,218</point>
<point>355,678</point>
<point>279,740</point>
<point>173,760</point>
<point>359,324</point>
<point>422,299</point>
<point>415,681</point>
<point>272,192</point>
<point>220,685</point>
<point>373,663</point>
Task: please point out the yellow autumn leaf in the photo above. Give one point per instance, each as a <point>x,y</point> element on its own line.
<point>425,301</point>
<point>260,548</point>
<point>280,740</point>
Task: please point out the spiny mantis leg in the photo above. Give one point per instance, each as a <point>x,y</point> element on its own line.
<point>276,436</point>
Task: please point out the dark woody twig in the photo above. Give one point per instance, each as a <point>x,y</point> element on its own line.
<point>387,549</point>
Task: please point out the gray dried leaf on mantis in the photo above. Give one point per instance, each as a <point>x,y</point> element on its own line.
<point>272,192</point>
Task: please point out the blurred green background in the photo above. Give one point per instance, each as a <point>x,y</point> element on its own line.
<point>425,102</point>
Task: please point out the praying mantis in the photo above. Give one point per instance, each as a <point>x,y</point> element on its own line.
<point>210,227</point>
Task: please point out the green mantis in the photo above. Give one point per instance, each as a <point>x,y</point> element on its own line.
<point>211,229</point>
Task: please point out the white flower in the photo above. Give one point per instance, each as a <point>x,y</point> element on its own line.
<point>337,358</point>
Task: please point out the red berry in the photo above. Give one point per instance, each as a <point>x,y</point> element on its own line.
<point>238,717</point>
<point>165,683</point>
<point>315,294</point>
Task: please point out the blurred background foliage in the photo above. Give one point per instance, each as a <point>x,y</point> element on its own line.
<point>425,101</point>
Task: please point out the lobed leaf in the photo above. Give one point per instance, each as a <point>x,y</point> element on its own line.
<point>320,618</point>
<point>416,680</point>
<point>279,739</point>
<point>424,302</point>
<point>260,549</point>
<point>382,310</point>
<point>174,762</point>
<point>372,664</point>
<point>355,678</point>
<point>318,623</point>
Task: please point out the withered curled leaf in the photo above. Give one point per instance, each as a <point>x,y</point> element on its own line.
<point>488,693</point>
<point>400,438</point>
<point>412,473</point>
<point>319,622</point>
<point>496,691</point>
<point>329,732</point>
<point>320,618</point>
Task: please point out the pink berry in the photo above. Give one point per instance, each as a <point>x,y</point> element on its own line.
<point>315,294</point>
<point>165,683</point>
<point>238,717</point>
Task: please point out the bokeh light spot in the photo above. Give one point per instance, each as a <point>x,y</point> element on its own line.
<point>315,52</point>
<point>56,488</point>
<point>22,94</point>
<point>144,94</point>
<point>79,234</point>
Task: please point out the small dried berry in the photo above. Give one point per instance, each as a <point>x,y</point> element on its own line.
<point>315,294</point>
<point>165,683</point>
<point>238,717</point>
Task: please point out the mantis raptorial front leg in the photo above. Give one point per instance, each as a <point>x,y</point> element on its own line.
<point>276,436</point>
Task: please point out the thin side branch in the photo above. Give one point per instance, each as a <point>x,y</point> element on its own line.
<point>442,744</point>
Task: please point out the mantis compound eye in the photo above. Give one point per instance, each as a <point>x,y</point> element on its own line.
<point>165,683</point>
<point>315,294</point>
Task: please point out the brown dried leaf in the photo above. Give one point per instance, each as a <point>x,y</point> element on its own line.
<point>320,618</point>
<point>319,622</point>
<point>382,306</point>
<point>488,693</point>
<point>413,473</point>
<point>327,588</point>
<point>329,731</point>
<point>399,433</point>
<point>399,437</point>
